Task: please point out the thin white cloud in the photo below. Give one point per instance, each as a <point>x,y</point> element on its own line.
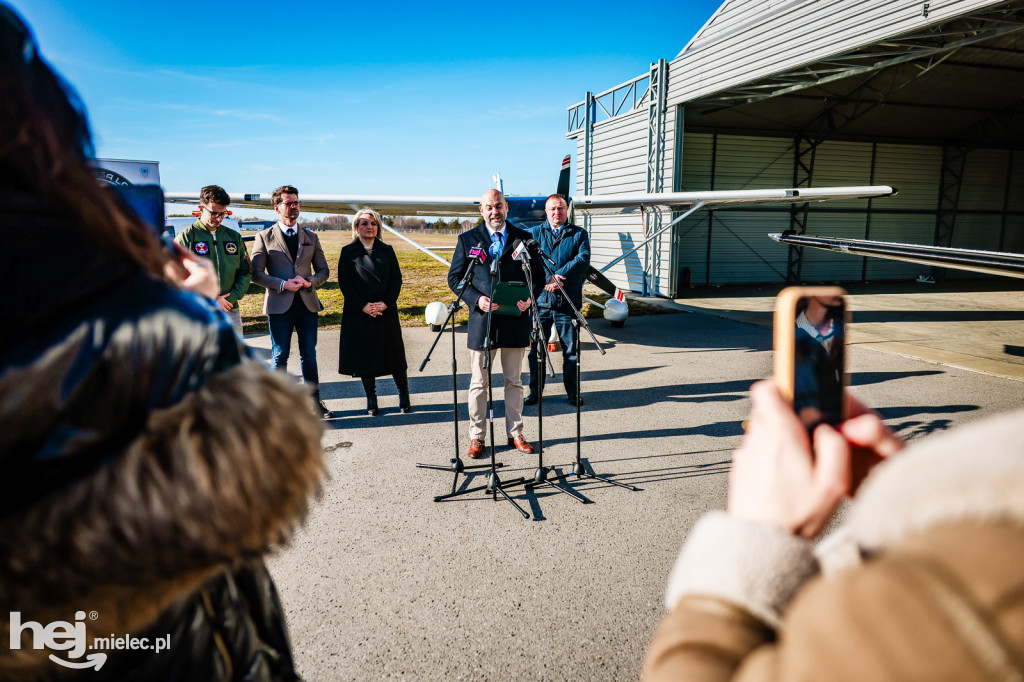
<point>230,143</point>
<point>248,115</point>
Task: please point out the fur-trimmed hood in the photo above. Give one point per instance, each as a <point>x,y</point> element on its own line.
<point>179,459</point>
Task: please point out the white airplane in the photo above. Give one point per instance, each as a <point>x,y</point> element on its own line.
<point>527,212</point>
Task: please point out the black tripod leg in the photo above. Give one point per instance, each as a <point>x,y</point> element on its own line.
<point>562,489</point>
<point>577,467</point>
<point>579,472</point>
<point>500,488</point>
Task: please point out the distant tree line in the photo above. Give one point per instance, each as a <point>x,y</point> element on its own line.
<point>400,223</point>
<point>334,222</point>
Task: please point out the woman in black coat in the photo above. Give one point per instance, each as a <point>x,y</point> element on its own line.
<point>371,335</point>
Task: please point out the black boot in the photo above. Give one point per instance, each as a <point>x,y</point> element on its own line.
<point>402,383</point>
<point>320,407</point>
<point>370,386</point>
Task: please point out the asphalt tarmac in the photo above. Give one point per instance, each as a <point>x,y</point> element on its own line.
<point>385,583</point>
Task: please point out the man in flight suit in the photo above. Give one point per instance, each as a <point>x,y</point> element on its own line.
<point>206,238</point>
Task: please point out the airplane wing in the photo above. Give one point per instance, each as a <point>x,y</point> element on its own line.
<point>350,203</point>
<point>590,203</point>
<point>987,262</point>
<point>629,203</point>
<point>532,208</point>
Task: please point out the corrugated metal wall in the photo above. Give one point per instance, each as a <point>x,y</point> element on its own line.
<point>748,39</point>
<point>619,152</point>
<point>916,172</point>
<point>731,246</point>
<point>983,194</point>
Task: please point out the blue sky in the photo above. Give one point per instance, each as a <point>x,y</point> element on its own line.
<point>380,98</point>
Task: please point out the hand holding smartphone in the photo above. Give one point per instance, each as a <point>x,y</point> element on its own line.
<point>810,353</point>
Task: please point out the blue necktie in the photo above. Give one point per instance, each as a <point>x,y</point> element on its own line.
<point>498,244</point>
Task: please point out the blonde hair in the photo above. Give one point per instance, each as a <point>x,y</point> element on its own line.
<point>373,214</point>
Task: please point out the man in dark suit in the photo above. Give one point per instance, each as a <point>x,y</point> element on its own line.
<point>569,247</point>
<point>288,261</point>
<point>510,334</point>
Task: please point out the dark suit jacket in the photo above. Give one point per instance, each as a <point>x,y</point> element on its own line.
<point>272,265</point>
<point>506,331</point>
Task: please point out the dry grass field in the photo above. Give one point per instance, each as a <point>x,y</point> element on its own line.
<point>423,280</point>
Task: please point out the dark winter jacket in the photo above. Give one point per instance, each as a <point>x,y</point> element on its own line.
<point>570,252</point>
<point>137,435</point>
<point>370,346</point>
<point>507,331</point>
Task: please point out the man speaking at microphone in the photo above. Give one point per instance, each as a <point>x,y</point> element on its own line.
<point>569,247</point>
<point>510,334</point>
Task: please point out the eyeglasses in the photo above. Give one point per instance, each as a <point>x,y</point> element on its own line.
<point>216,214</point>
<point>289,204</point>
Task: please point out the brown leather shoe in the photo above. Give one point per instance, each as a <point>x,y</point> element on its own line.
<point>520,444</point>
<point>476,449</point>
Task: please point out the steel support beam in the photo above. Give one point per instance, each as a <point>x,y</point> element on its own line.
<point>803,172</point>
<point>655,171</point>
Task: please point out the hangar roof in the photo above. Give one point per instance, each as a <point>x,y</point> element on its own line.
<point>959,81</point>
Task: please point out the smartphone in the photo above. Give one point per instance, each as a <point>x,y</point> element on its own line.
<point>147,202</point>
<point>810,352</point>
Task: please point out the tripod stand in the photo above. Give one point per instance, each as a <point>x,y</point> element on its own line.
<point>457,466</point>
<point>540,475</point>
<point>494,485</point>
<point>577,467</point>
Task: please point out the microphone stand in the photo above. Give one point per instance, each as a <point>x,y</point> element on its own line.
<point>457,466</point>
<point>578,469</point>
<point>494,483</point>
<point>540,476</point>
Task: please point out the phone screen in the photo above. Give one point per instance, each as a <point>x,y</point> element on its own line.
<point>819,346</point>
<point>147,201</point>
<point>810,352</point>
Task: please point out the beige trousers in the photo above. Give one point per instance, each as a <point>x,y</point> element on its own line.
<point>511,369</point>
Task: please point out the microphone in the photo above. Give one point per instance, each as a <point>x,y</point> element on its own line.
<point>519,252</point>
<point>495,251</point>
<point>532,243</point>
<point>475,256</point>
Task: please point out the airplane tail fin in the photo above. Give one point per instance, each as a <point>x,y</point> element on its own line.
<point>563,178</point>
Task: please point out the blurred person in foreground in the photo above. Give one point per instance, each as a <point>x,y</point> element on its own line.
<point>288,261</point>
<point>207,238</point>
<point>148,462</point>
<point>922,581</point>
<point>371,335</point>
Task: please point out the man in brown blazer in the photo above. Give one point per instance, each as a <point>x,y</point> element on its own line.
<point>288,261</point>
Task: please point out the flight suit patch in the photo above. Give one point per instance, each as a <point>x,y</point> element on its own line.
<point>202,248</point>
<point>231,247</point>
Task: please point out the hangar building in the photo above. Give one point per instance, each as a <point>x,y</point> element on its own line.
<point>927,97</point>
